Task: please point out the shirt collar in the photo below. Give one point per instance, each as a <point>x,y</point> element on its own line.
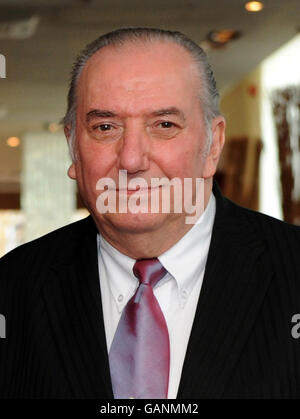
<point>118,272</point>
<point>186,260</point>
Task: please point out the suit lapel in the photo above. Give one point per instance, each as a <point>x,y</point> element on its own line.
<point>73,301</point>
<point>234,285</point>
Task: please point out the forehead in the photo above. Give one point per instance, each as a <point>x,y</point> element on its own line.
<point>138,70</point>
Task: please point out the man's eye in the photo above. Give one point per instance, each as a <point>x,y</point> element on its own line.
<point>166,124</point>
<point>104,127</point>
<point>164,129</point>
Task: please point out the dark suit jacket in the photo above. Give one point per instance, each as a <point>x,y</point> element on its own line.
<point>241,344</point>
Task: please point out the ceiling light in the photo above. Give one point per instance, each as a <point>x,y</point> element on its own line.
<point>22,28</point>
<point>254,6</point>
<point>223,36</point>
<point>13,141</point>
<point>219,38</point>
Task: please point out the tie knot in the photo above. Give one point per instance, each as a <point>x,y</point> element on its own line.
<point>149,271</point>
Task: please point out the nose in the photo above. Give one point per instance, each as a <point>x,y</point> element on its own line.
<point>133,153</point>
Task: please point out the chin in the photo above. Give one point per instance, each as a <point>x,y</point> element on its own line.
<point>135,223</point>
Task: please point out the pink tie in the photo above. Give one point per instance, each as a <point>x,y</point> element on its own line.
<point>140,353</point>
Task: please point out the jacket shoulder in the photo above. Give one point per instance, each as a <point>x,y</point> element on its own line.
<point>280,238</point>
<point>45,249</point>
<point>270,226</point>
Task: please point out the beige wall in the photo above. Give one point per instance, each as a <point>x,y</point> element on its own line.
<point>241,109</point>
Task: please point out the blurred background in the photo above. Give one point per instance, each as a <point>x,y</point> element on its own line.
<point>254,49</point>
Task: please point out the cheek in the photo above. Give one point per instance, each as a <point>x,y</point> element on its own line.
<point>175,162</point>
<point>181,157</point>
<point>95,163</point>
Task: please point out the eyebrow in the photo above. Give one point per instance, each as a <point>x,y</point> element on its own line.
<point>100,113</point>
<point>169,111</point>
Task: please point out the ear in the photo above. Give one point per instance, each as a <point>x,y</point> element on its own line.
<point>72,171</point>
<point>72,168</point>
<point>218,138</point>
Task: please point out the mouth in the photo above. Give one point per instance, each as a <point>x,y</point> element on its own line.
<point>141,191</point>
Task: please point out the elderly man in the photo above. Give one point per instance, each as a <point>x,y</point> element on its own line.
<point>141,303</point>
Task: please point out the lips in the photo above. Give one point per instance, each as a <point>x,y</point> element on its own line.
<point>140,190</point>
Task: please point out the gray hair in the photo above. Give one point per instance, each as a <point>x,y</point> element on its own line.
<point>209,97</point>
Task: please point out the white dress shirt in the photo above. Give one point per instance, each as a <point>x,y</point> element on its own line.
<point>177,293</point>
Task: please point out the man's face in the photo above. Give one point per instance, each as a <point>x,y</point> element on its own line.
<point>138,110</point>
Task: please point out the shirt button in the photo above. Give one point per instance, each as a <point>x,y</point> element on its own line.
<point>120,298</point>
<point>184,294</point>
